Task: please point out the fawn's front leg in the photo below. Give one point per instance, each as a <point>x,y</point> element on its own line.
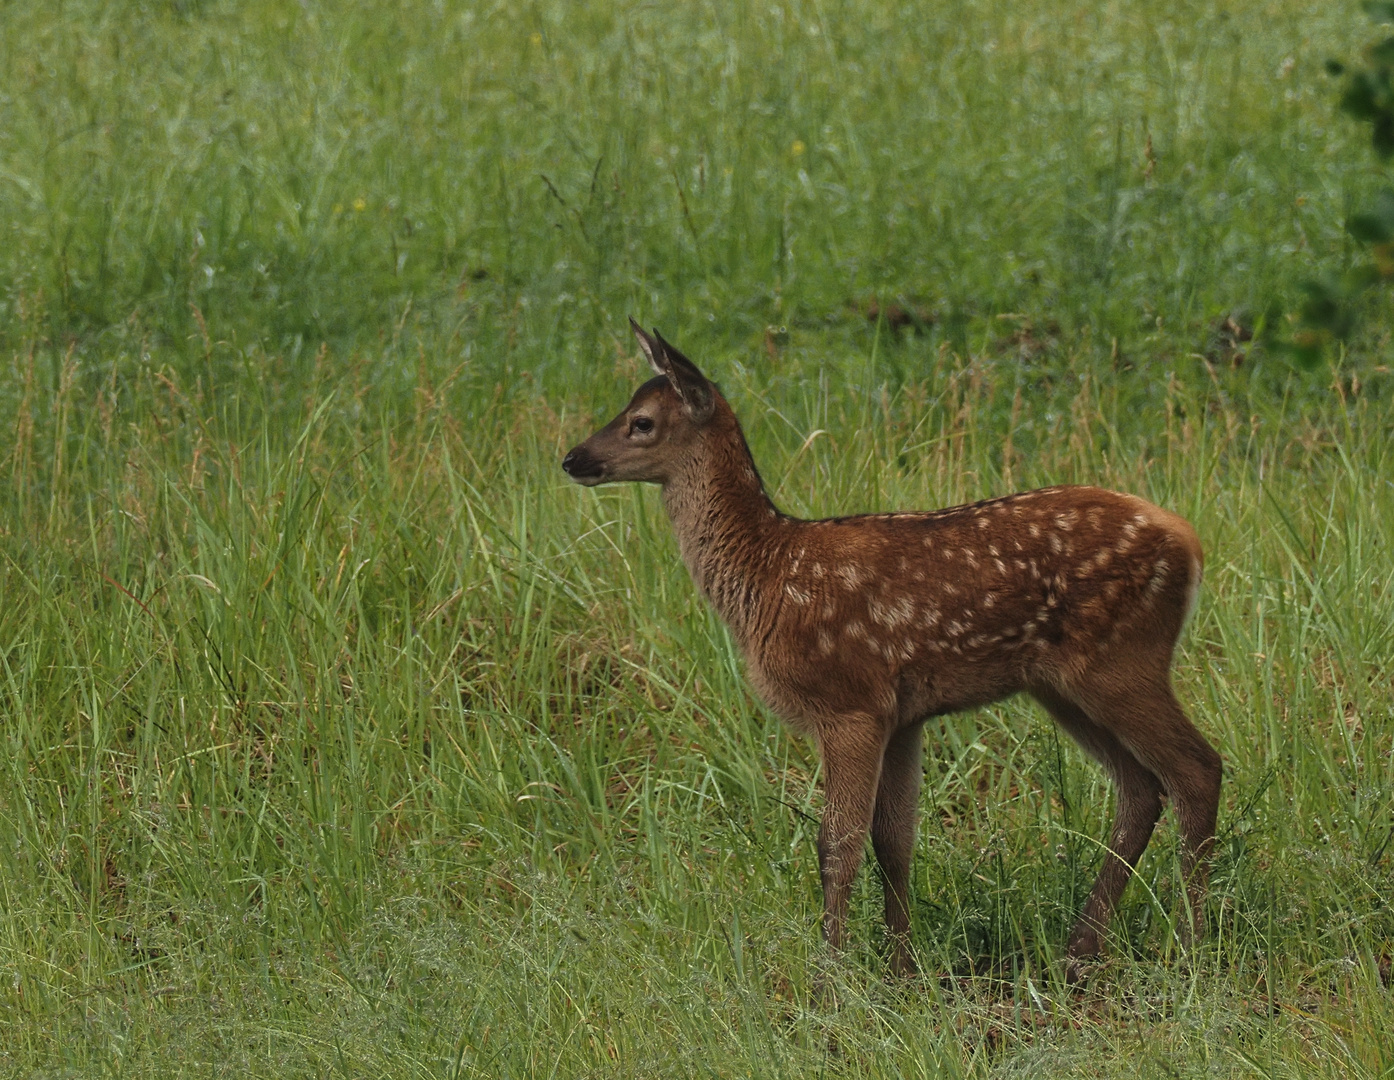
<point>893,836</point>
<point>852,751</point>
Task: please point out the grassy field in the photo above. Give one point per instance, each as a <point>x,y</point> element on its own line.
<point>342,736</point>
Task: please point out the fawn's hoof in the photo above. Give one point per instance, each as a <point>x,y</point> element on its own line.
<point>1081,957</point>
<point>1078,969</point>
<point>903,967</point>
<point>902,961</point>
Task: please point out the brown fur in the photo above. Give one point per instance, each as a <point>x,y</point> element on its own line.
<point>857,630</point>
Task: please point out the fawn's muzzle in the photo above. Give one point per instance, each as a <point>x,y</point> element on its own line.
<point>581,466</point>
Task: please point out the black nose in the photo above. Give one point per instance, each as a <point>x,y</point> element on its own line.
<point>568,461</point>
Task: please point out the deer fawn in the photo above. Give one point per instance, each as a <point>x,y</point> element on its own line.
<point>859,629</point>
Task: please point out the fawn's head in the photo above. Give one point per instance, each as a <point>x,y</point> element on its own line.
<point>656,430</point>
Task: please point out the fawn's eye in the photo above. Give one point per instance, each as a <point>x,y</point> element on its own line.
<point>642,424</point>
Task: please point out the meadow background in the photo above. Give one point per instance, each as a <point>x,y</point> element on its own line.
<point>343,737</point>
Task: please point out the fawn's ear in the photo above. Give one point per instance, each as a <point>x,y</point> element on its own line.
<point>691,385</point>
<point>652,349</point>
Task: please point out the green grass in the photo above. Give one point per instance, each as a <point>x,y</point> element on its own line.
<point>342,736</point>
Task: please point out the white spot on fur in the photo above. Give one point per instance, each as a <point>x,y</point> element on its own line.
<point>990,599</point>
<point>1001,566</point>
<point>1102,558</point>
<point>796,594</point>
<point>855,630</point>
<point>825,643</point>
<point>1056,544</point>
<point>851,576</point>
<point>930,618</point>
<point>817,569</point>
<point>891,615</point>
<point>897,650</point>
<point>992,550</point>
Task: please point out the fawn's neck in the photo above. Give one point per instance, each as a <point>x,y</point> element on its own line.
<point>727,527</point>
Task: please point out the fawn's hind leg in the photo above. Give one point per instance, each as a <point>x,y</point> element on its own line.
<point>1139,805</point>
<point>1151,725</point>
